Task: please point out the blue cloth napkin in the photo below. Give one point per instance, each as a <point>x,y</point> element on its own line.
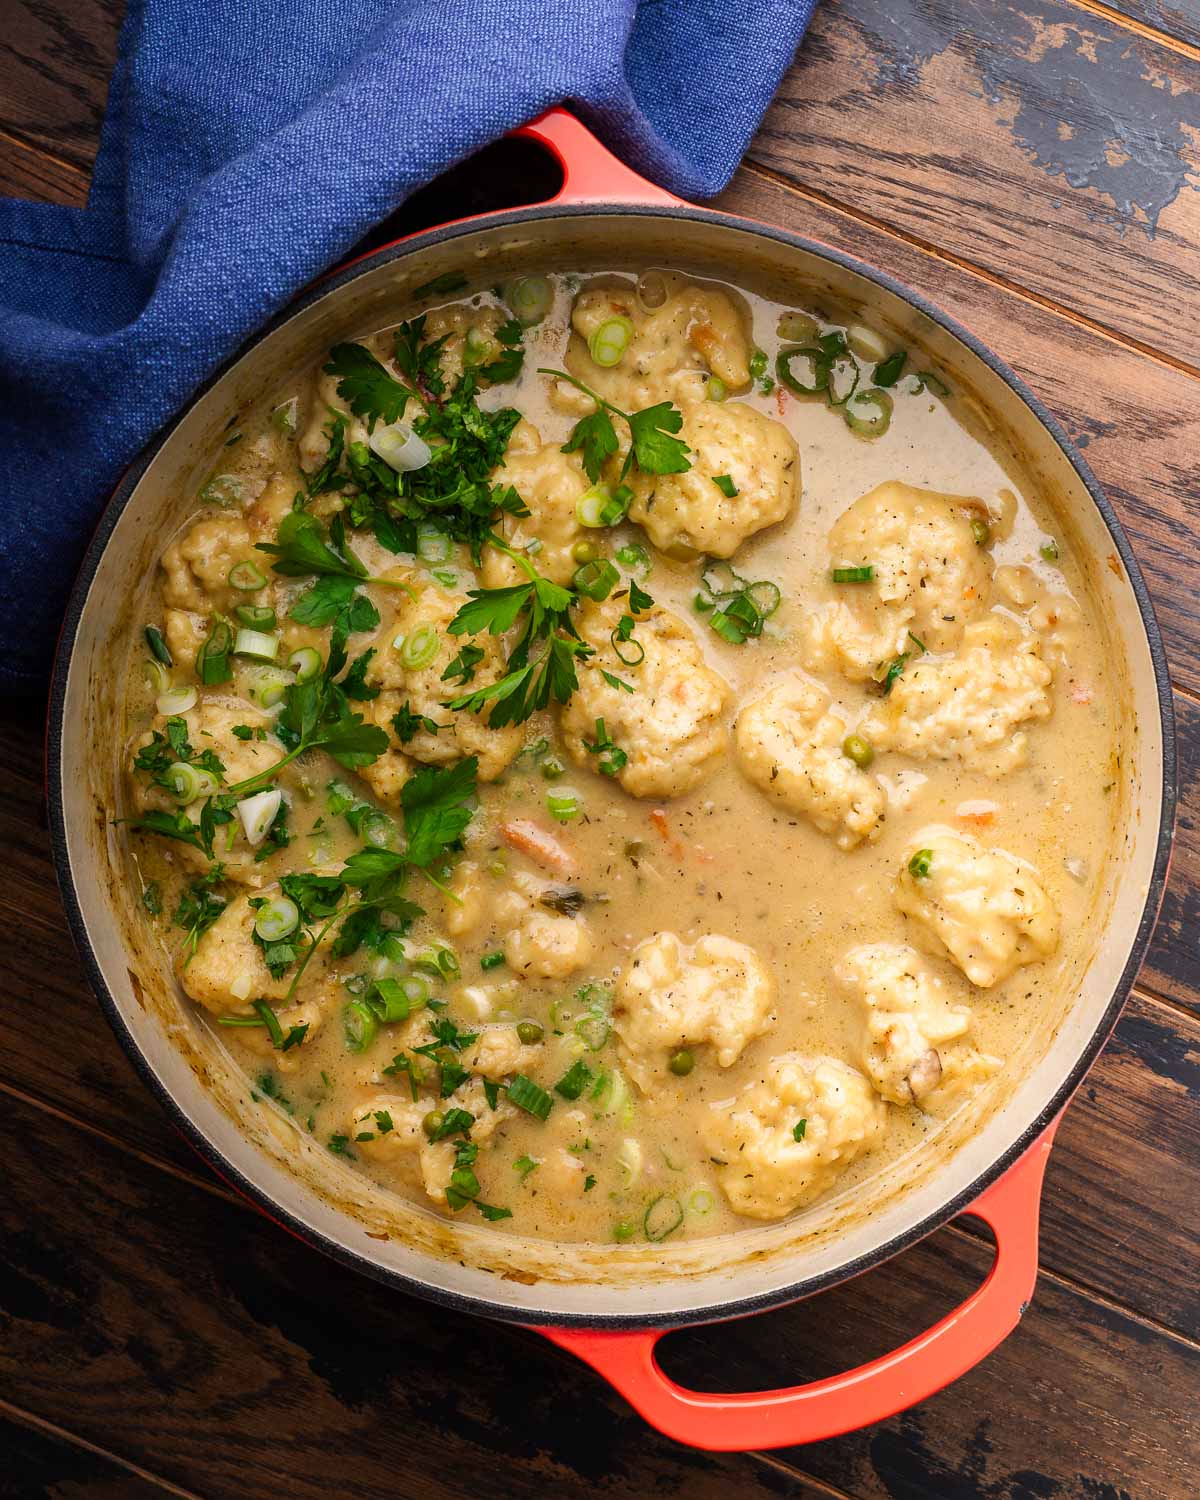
<point>251,143</point>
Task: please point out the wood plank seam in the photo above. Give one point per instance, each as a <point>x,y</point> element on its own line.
<point>781,1465</point>
<point>1164,1002</point>
<point>1139,28</point>
<point>68,166</point>
<point>972,268</point>
<point>40,1424</point>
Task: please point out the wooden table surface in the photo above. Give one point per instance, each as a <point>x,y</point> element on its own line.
<point>1029,166</point>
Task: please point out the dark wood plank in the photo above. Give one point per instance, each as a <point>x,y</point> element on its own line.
<point>1132,415</point>
<point>28,173</point>
<point>222,1354</point>
<point>45,1462</point>
<point>55,62</point>
<point>1173,965</point>
<point>1170,22</point>
<point>1036,139</point>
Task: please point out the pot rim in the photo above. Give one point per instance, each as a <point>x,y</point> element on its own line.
<point>734,1306</point>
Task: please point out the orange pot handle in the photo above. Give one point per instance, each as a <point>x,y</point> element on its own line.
<point>591,173</point>
<point>871,1393</point>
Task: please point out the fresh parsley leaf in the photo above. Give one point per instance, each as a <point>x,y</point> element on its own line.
<point>726,485</point>
<point>464,665</point>
<point>152,898</point>
<point>436,810</point>
<point>365,385</point>
<point>199,907</point>
<point>175,825</point>
<point>325,476</point>
<point>354,683</point>
<point>612,758</point>
<point>299,548</point>
<point>408,725</point>
<point>493,610</point>
<point>655,450</point>
<point>639,599</point>
<point>595,439</point>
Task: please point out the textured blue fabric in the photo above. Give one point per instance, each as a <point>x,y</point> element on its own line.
<point>248,145</point>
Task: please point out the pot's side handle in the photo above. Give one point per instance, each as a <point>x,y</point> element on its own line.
<point>591,173</point>
<point>871,1393</point>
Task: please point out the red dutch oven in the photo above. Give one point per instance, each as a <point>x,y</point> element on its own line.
<point>608,1305</point>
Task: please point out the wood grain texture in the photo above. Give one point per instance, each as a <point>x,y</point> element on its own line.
<point>28,173</point>
<point>41,1460</point>
<point>228,1356</point>
<point>1038,140</point>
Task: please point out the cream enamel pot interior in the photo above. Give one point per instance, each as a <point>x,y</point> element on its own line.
<point>610,1306</point>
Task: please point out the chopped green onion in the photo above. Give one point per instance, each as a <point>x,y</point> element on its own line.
<point>702,603</point>
<point>267,686</point>
<point>562,806</point>
<point>623,1231</point>
<point>1049,550</point>
<point>859,750</point>
<point>433,545</point>
<point>395,1000</point>
<point>574,1080</point>
<point>589,508</point>
<point>715,388</point>
<point>585,552</point>
<point>596,579</point>
<point>593,1031</point>
<point>552,768</point>
<point>626,649</point>
<point>796,327</point>
<point>420,647</point>
<point>212,660</point>
<point>400,447</point>
<point>633,555</point>
<point>921,864</point>
<point>864,341</point>
<point>360,1025</point>
<point>277,919</point>
<point>869,413</point>
<point>663,1216</point>
<point>889,370</point>
<point>245,576</point>
<point>529,1033</point>
<point>527,1095</point>
<point>726,485</point>
<point>187,783</point>
<point>630,1159</point>
<point>927,380</point>
<point>157,676</point>
<point>530,299</point>
<point>255,616</point>
<point>175,701</point>
<point>257,813</point>
<point>223,489</point>
<point>478,346</point>
<point>491,960</point>
<point>853,575</point>
<point>306,663</point>
<point>285,415</point>
<point>271,1021</point>
<point>523,1166</point>
<point>758,372</point>
<point>799,1129</point>
<point>981,532</point>
<point>701,1201</point>
<point>843,379</point>
<point>609,342</point>
<point>815,372</point>
<point>256,644</point>
<point>159,649</point>
<point>682,1063</point>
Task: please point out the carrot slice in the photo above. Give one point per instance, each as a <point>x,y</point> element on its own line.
<point>530,838</point>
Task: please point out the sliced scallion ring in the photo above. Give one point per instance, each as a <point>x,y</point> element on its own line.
<point>629,651</point>
<point>419,648</point>
<point>360,1025</point>
<point>765,597</point>
<point>256,644</point>
<point>305,662</point>
<point>277,919</point>
<point>157,676</point>
<point>175,701</point>
<point>701,1201</point>
<point>255,616</point>
<point>159,649</point>
<point>797,327</point>
<point>562,806</point>
<point>866,342</point>
<point>246,576</point>
<point>842,380</point>
<point>400,447</point>
<point>596,579</point>
<point>814,369</point>
<point>530,299</point>
<point>869,413</point>
<point>212,660</point>
<point>589,508</point>
<point>862,574</point>
<point>376,828</point>
<point>266,686</point>
<point>187,782</point>
<point>433,545</point>
<point>593,1030</point>
<point>630,1160</point>
<point>285,415</point>
<point>609,342</point>
<point>478,346</point>
<point>257,813</point>
<point>663,1217</point>
<point>715,388</point>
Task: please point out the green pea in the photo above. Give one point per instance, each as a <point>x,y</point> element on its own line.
<point>682,1063</point>
<point>981,531</point>
<point>859,750</point>
<point>585,552</point>
<point>433,1122</point>
<point>529,1032</point>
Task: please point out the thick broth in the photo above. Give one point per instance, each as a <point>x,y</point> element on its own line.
<point>721,858</point>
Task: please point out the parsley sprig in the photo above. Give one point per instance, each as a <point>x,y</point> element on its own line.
<point>541,665</point>
<point>653,446</point>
